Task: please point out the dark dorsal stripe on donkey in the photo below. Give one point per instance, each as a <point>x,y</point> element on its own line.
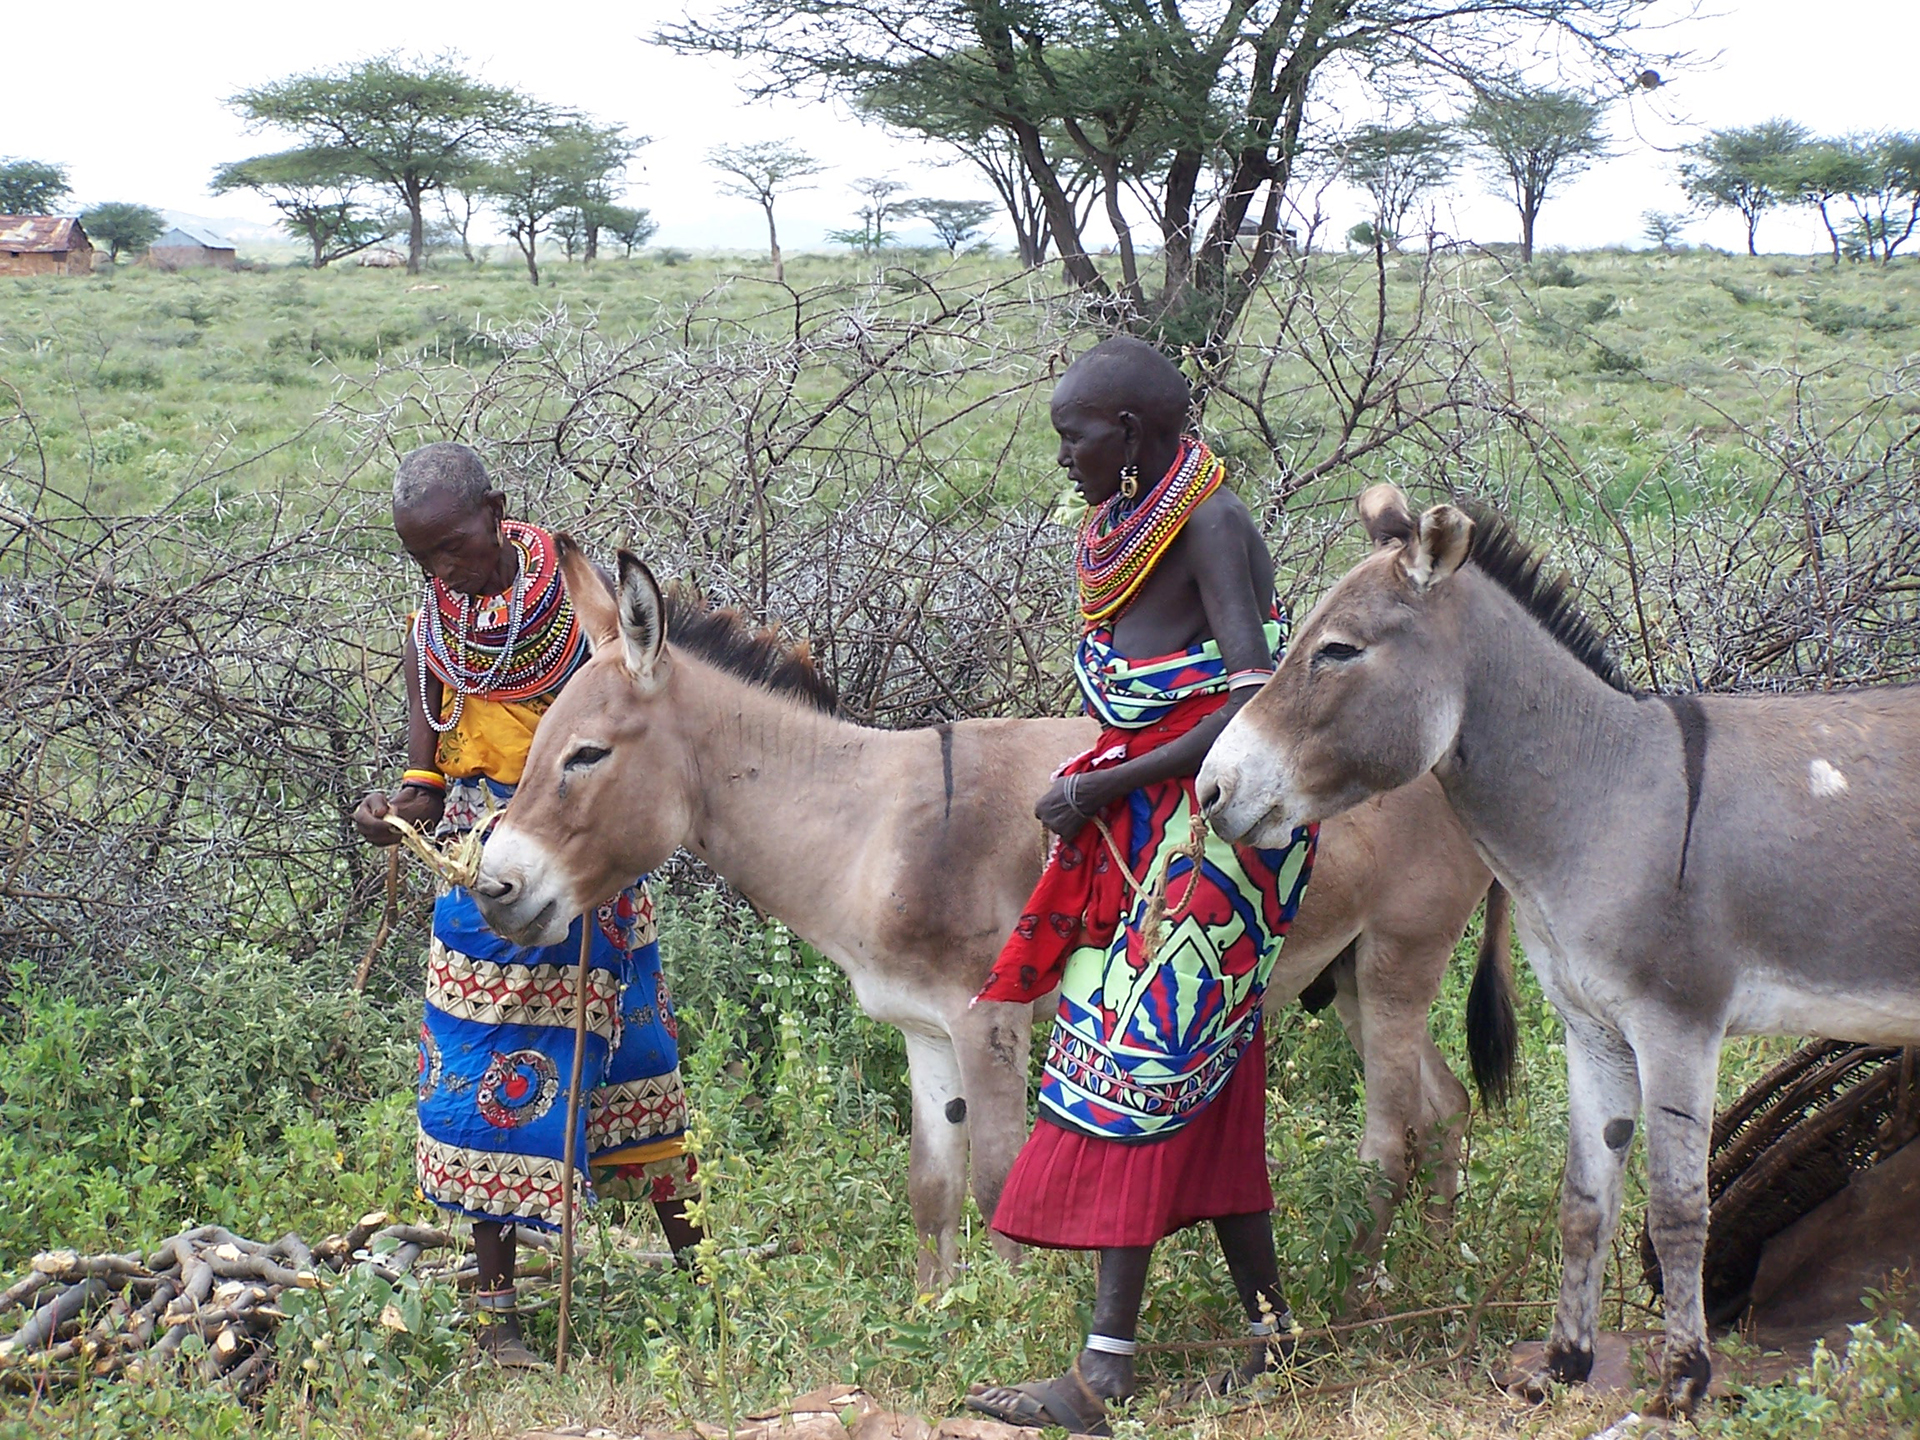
<point>905,857</point>
<point>1680,872</point>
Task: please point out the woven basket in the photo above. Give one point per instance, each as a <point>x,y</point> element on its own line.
<point>1787,1146</point>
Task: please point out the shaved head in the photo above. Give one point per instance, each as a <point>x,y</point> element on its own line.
<point>1128,374</point>
<point>446,470</point>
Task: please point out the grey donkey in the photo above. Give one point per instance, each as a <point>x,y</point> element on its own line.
<point>1683,868</point>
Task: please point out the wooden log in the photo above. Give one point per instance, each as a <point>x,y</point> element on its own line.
<point>229,1264</point>
<point>292,1249</point>
<point>427,1237</point>
<point>139,1333</point>
<point>25,1290</point>
<point>363,1230</point>
<point>109,1323</point>
<point>250,1376</point>
<point>70,1266</point>
<point>44,1324</point>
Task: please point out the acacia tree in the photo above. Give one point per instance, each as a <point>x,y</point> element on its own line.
<point>1193,108</point>
<point>759,172</point>
<point>632,227</point>
<point>318,196</point>
<point>531,183</point>
<point>1820,173</point>
<point>954,221</point>
<point>1743,169</point>
<point>411,126</point>
<point>1531,139</point>
<point>877,191</point>
<point>31,187</point>
<point>127,228</point>
<point>460,203</point>
<point>1396,165</point>
<point>1885,195</point>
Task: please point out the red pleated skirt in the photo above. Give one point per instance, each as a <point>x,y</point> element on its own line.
<point>1069,1191</point>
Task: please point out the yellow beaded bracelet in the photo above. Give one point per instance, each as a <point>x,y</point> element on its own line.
<point>425,779</point>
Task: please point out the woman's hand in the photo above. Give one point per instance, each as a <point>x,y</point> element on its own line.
<point>1063,819</point>
<point>419,807</point>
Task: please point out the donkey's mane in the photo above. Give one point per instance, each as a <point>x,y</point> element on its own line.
<point>1512,564</point>
<point>727,640</point>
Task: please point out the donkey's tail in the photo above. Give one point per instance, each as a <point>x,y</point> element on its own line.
<point>1493,1035</point>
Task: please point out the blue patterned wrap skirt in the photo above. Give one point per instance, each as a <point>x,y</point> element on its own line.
<point>496,1052</point>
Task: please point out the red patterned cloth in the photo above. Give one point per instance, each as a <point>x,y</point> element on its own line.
<point>1083,897</point>
<point>1070,1191</point>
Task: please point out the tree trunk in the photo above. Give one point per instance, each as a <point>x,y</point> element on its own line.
<point>592,252</point>
<point>1177,233</point>
<point>416,231</point>
<point>527,248</point>
<point>1832,234</point>
<point>1526,234</point>
<point>1753,224</point>
<point>773,246</point>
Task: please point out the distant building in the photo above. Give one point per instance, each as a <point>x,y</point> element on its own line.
<point>1249,235</point>
<point>44,245</point>
<point>186,248</point>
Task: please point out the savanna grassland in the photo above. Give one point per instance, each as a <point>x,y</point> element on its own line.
<point>178,1038</point>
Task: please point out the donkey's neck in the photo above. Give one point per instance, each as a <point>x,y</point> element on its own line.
<point>782,801</point>
<point>1553,766</point>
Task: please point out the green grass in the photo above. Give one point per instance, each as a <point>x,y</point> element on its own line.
<point>136,378</point>
<point>244,1086</point>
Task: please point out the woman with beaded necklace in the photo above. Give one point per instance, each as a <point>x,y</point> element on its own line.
<point>492,644</point>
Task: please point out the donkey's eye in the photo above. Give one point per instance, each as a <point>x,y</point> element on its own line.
<point>1336,651</point>
<point>585,755</point>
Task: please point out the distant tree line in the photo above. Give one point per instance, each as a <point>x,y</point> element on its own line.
<point>379,144</point>
<point>1865,188</point>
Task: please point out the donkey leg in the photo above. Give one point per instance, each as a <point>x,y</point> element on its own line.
<point>992,1043</point>
<point>1444,1113</point>
<point>1677,1075</point>
<point>1385,1036</point>
<point>937,1156</point>
<point>1603,1096</point>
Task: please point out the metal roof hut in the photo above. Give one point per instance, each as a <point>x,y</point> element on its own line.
<point>185,247</point>
<point>44,245</point>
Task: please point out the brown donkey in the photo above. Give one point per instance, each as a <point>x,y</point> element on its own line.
<point>906,856</point>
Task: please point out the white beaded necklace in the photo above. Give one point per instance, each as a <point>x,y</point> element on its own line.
<point>462,680</point>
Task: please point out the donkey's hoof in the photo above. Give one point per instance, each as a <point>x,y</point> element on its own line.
<point>1535,1372</point>
<point>1683,1384</point>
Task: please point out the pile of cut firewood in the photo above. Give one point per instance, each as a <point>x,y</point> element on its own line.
<point>99,1315</point>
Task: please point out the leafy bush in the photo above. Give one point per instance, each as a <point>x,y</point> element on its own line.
<point>251,1088</point>
<point>1871,1392</point>
<point>362,1337</point>
<point>1553,272</point>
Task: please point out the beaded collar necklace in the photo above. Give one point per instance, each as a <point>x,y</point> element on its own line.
<point>1122,540</point>
<point>511,647</point>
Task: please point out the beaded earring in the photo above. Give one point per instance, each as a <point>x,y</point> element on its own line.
<point>1129,481</point>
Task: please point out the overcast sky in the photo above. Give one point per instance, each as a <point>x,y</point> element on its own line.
<point>130,98</point>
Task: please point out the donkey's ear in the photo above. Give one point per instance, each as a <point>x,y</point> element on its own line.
<point>587,589</point>
<point>1440,548</point>
<point>643,622</point>
<point>1384,513</point>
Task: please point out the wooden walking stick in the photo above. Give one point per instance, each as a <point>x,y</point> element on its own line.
<point>571,1149</point>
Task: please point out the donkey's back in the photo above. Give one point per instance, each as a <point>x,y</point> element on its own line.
<point>1802,869</point>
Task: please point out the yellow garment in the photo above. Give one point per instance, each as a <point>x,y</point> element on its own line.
<point>492,738</point>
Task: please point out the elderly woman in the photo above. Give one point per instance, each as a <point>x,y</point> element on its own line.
<point>493,642</point>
